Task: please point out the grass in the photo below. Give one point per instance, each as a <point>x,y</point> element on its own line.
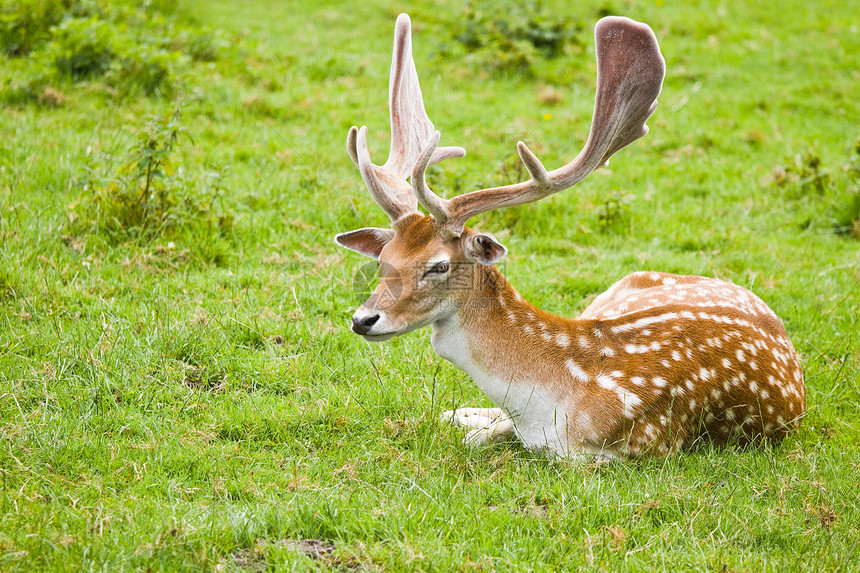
<point>187,395</point>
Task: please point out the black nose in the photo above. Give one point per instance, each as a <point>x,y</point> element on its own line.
<point>363,325</point>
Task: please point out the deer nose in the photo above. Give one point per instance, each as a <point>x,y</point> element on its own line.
<point>363,324</point>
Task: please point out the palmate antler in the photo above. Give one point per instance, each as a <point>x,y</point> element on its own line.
<point>411,130</point>
<point>630,71</point>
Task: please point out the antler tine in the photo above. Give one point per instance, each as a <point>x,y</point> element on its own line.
<point>383,188</point>
<point>410,131</point>
<point>630,71</point>
<point>351,142</point>
<point>434,204</point>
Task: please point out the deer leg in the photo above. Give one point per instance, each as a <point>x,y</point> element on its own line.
<point>495,432</point>
<point>472,417</point>
<point>488,424</point>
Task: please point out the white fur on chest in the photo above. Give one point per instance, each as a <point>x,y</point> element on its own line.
<point>540,420</point>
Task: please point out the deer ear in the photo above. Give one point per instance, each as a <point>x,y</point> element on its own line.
<point>367,242</point>
<point>485,249</point>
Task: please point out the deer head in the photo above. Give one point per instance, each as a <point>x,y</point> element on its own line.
<point>421,257</point>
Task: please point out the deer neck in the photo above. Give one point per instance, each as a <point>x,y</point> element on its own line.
<point>505,343</point>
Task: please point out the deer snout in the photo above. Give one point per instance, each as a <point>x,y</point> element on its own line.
<point>361,324</point>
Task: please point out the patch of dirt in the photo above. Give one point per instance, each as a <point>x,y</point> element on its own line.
<point>254,560</point>
<point>316,549</point>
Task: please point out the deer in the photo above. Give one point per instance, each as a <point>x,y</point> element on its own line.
<point>655,365</point>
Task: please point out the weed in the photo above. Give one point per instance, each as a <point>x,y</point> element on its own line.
<point>81,47</point>
<point>836,191</point>
<point>615,210</point>
<point>513,35</point>
<point>131,48</point>
<point>804,172</point>
<point>26,24</point>
<point>151,193</point>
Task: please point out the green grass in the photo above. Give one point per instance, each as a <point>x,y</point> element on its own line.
<point>188,396</point>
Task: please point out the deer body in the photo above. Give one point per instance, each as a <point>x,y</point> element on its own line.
<point>654,364</point>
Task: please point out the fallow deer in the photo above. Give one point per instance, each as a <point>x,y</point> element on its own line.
<point>653,364</point>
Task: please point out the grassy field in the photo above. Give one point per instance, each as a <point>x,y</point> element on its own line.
<point>179,388</point>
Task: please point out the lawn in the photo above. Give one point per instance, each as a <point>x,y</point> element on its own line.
<point>179,387</point>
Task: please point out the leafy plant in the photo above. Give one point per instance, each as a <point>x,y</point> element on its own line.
<point>803,171</point>
<point>151,192</point>
<point>133,48</point>
<point>81,47</point>
<point>26,24</point>
<point>615,210</point>
<point>514,35</point>
<point>836,191</point>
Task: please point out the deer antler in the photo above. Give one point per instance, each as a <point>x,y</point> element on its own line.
<point>630,71</point>
<point>411,130</point>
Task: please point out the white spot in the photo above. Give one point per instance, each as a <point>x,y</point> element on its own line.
<point>528,330</point>
<point>669,281</point>
<point>576,371</point>
<point>727,363</point>
<point>740,355</point>
<point>659,382</point>
<point>606,351</point>
<point>676,355</point>
<point>562,340</point>
<point>607,382</point>
<point>646,321</point>
<point>639,381</point>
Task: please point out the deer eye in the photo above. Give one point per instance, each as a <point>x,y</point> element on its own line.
<point>439,268</point>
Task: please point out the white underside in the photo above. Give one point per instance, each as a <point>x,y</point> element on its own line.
<point>536,417</point>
